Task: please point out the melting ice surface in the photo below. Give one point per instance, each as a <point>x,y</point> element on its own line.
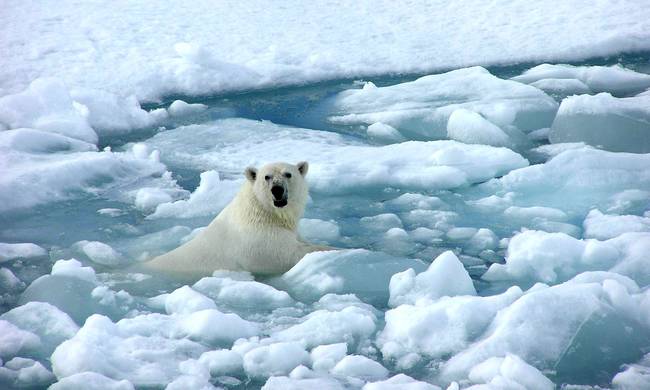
<point>474,253</point>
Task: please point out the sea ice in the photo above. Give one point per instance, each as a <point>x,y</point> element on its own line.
<point>275,359</point>
<point>222,362</point>
<point>99,252</point>
<point>509,372</point>
<point>360,272</point>
<point>338,164</point>
<point>351,325</point>
<point>181,108</point>
<point>614,79</point>
<point>242,292</point>
<point>469,127</point>
<point>210,197</point>
<point>105,348</point>
<point>319,231</point>
<point>324,357</point>
<point>110,114</point>
<point>360,367</point>
<point>635,376</point>
<point>287,383</point>
<point>574,181</point>
<point>467,104</point>
<point>91,380</point>
<point>400,382</point>
<point>33,178</point>
<point>14,341</point>
<point>185,300</point>
<point>51,325</point>
<point>47,105</point>
<point>555,257</point>
<point>604,121</point>
<point>438,328</point>
<point>605,226</point>
<point>446,276</point>
<point>114,50</point>
<point>548,327</point>
<point>20,251</point>
<point>25,373</point>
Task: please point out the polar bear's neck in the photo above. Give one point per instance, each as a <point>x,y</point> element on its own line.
<point>251,210</point>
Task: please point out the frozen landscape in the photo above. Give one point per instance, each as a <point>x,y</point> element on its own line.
<point>484,168</point>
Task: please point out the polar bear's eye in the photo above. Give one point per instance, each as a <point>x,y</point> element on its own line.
<point>287,175</point>
<point>267,177</point>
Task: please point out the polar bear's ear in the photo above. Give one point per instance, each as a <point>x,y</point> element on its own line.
<point>251,174</point>
<point>303,167</point>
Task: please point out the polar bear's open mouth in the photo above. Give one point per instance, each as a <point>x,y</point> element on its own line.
<point>280,203</point>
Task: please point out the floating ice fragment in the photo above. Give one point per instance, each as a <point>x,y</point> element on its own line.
<point>116,352</point>
<point>99,252</point>
<point>31,178</point>
<point>74,268</point>
<point>382,133</point>
<point>446,276</point>
<point>20,251</point>
<point>91,380</point>
<point>554,327</point>
<point>562,87</point>
<point>324,357</point>
<point>400,382</point>
<point>274,359</point>
<point>50,324</point>
<point>181,108</point>
<point>360,367</point>
<point>614,79</point>
<point>381,222</point>
<point>286,383</point>
<point>438,328</point>
<point>510,370</point>
<point>350,325</point>
<point>213,327</point>
<point>604,121</point>
<point>555,257</point>
<point>421,109</point>
<point>9,281</point>
<point>528,213</point>
<point>576,181</point>
<point>46,105</point>
<point>605,226</point>
<point>14,340</point>
<point>249,294</point>
<point>635,376</point>
<point>360,272</point>
<point>338,164</point>
<point>210,197</point>
<point>187,300</point>
<point>25,373</point>
<point>318,230</point>
<point>222,362</point>
<point>110,114</point>
<point>471,128</point>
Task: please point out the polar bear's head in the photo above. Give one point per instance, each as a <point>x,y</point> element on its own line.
<point>280,187</point>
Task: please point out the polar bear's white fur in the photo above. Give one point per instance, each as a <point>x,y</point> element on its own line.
<point>256,232</point>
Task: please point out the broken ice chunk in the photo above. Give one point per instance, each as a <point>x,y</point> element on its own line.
<point>616,124</point>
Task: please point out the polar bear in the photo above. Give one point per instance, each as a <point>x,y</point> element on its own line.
<point>256,232</point>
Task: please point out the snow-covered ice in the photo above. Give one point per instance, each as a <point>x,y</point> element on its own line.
<point>470,105</point>
<point>151,50</point>
<point>489,225</point>
<point>614,79</point>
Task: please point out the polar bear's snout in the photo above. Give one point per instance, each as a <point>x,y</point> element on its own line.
<point>279,195</point>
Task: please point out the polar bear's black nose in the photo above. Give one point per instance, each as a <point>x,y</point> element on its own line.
<point>278,192</point>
